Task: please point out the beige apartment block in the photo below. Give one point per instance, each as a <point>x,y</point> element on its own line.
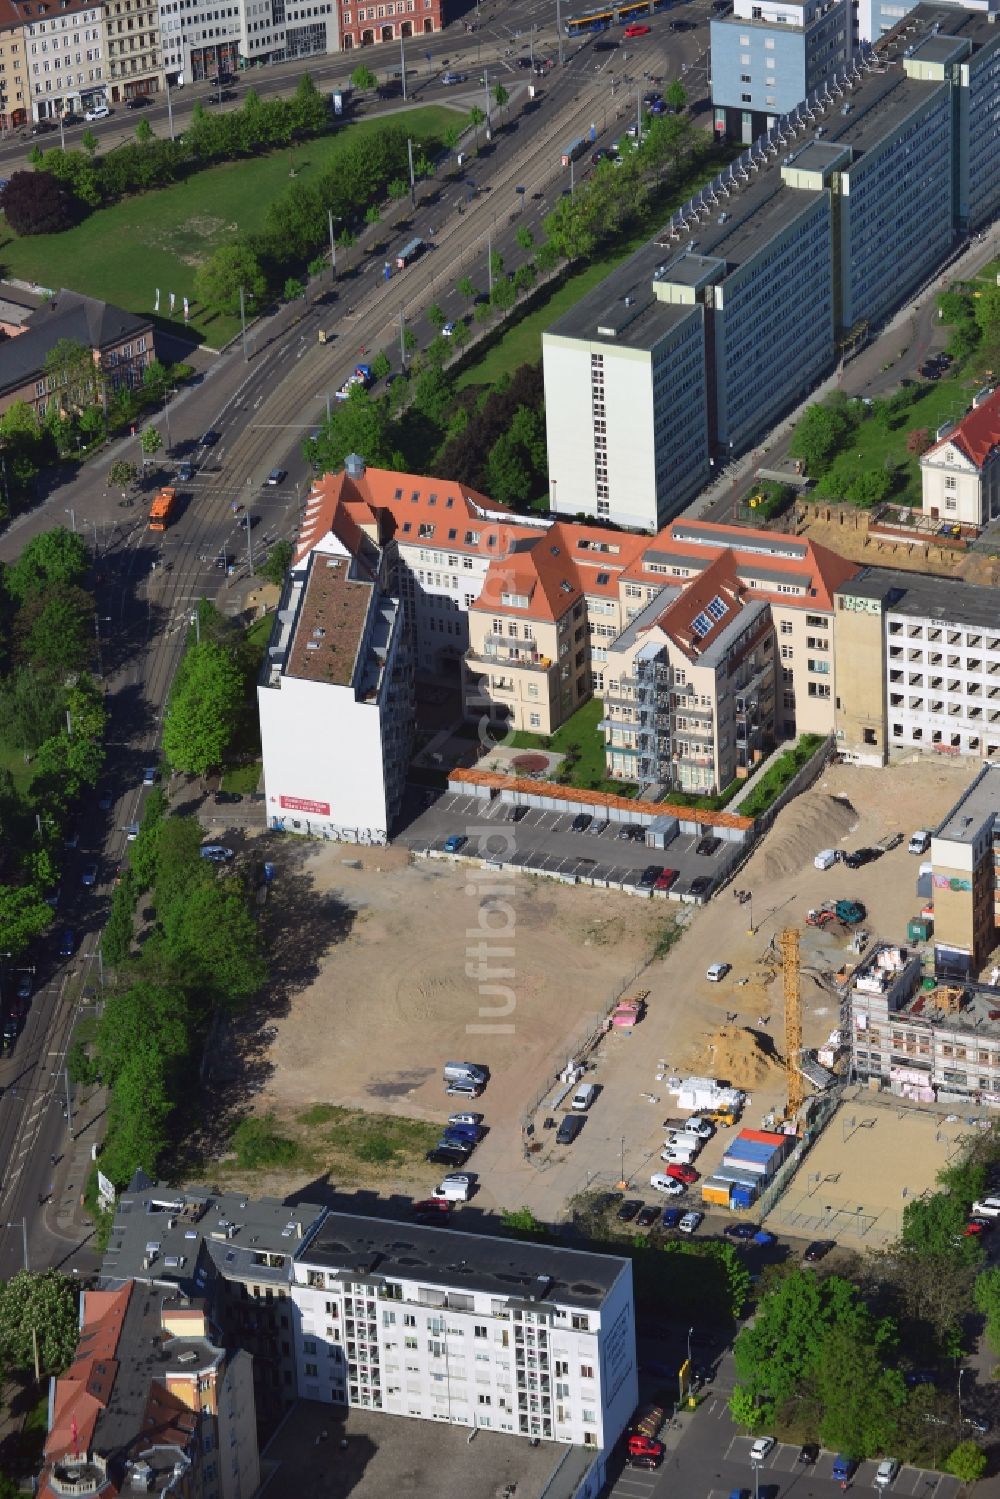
<point>960,474</point>
<point>65,56</point>
<point>135,60</point>
<point>859,665</point>
<point>15,89</point>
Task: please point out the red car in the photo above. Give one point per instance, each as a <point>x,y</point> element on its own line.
<point>685,1174</point>
<point>972,1228</point>
<point>637,30</point>
<point>643,1449</point>
<point>665,880</point>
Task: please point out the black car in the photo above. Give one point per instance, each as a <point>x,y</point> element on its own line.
<point>740,1230</point>
<point>524,62</point>
<point>448,1155</point>
<point>598,156</point>
<point>915,1377</point>
<point>137,101</point>
<point>700,886</point>
<point>684,26</point>
<point>569,1128</point>
<point>210,438</point>
<point>227,798</point>
<point>647,1216</point>
<point>644,1460</point>
<point>581,822</point>
<point>605,46</point>
<point>708,845</point>
<point>818,1250</point>
<point>808,1453</point>
<point>861,856</point>
<point>628,1210</point>
<point>649,876</point>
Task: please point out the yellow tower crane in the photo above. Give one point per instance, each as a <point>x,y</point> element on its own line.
<point>789,945</point>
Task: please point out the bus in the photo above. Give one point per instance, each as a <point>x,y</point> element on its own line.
<point>163,509</point>
<point>603,17</point>
<point>409,253</point>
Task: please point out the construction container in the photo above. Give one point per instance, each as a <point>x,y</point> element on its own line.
<point>759,1160</point>
<point>762,1137</point>
<point>737,1178</point>
<point>918,929</point>
<point>742,1197</point>
<point>716,1192</point>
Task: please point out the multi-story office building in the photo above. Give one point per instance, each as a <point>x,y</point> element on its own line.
<point>364,25</point>
<point>134,57</point>
<point>941,1044</point>
<point>151,1403</point>
<point>835,219</point>
<point>965,878</point>
<point>15,89</point>
<point>917,664</point>
<point>960,473</point>
<point>478,1331</point>
<point>769,55</point>
<point>200,41</point>
<point>65,52</point>
<point>335,696</point>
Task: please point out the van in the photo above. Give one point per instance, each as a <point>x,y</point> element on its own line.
<point>584,1096</point>
<point>464,1072</point>
<point>678,1153</point>
<point>920,842</point>
<point>988,1208</point>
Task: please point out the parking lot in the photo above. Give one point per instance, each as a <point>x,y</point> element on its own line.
<point>544,842</point>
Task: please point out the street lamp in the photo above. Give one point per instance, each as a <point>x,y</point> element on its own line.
<point>960,1373</point>
<point>72,517</point>
<point>690,1331</point>
<point>22,1224</point>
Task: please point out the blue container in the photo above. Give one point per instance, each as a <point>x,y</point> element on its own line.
<point>742,1197</point>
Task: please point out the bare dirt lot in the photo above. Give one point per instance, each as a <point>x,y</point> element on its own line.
<point>394,994</point>
<point>872,1158</point>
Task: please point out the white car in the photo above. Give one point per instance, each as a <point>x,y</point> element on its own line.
<point>700,1128</point>
<point>99,112</point>
<point>717,972</point>
<point>454,1188</point>
<point>665,1184</point>
<point>676,1155</point>
<point>473,1119</point>
<point>886,1472</point>
<point>826,858</point>
<point>448,330</point>
<point>689,1223</point>
<point>761,1448</point>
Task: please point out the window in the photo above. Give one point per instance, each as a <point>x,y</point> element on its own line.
<point>586,1371</point>
<point>786,627</point>
<point>819,689</point>
<point>311,1371</point>
<point>787,652</point>
<point>480,1331</point>
<point>535,721</point>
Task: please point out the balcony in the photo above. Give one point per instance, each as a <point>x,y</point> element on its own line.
<point>517,655</point>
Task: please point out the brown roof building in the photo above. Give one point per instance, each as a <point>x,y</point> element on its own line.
<point>121,344</point>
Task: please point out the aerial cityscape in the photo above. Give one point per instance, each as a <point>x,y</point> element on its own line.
<point>499,749</point>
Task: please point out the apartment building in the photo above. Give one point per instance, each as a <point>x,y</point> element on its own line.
<point>926,1045</point>
<point>769,55</point>
<point>134,55</point>
<point>65,49</point>
<point>960,472</point>
<point>152,1403</point>
<point>366,25</point>
<point>478,1331</point>
<point>917,667</point>
<point>200,40</point>
<point>335,696</point>
<point>121,342</point>
<point>806,244</point>
<point>15,87</point>
<point>965,865</point>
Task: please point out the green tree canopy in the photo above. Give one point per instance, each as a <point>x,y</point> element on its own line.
<point>211,937</point>
<point>278,561</point>
<point>361,424</point>
<point>967,1461</point>
<point>55,631</point>
<point>58,556</point>
<point>79,378</point>
<point>24,916</point>
<point>218,280</point>
<point>820,431</point>
<point>199,720</point>
<point>43,1307</point>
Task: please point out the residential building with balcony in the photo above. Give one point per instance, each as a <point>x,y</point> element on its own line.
<point>134,53</point>
<point>151,1402</point>
<point>917,667</point>
<point>335,696</point>
<point>15,85</point>
<point>529,1339</point>
<point>769,55</point>
<point>121,343</point>
<point>939,1044</point>
<point>65,50</point>
<point>960,472</point>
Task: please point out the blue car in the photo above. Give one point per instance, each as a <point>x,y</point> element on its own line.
<point>453,1137</point>
<point>67,942</point>
<point>670,1218</point>
<point>454,843</point>
<point>843,1467</point>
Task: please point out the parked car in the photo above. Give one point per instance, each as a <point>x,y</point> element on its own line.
<point>649,876</point>
<point>660,1182</point>
<point>681,1172</point>
<point>740,1230</point>
<point>665,879</point>
<point>448,1155</point>
<point>598,826</point>
<point>717,972</point>
<point>88,875</point>
<point>628,1210</point>
<point>515,814</point>
<point>708,845</point>
<point>647,1216</point>
<point>690,1222</point>
<point>24,986</point>
<point>581,822</point>
<point>67,942</point>
<point>448,330</point>
<point>886,1472</point>
<point>670,1217</point>
<point>637,30</point>
<point>455,843</point>
<point>228,798</point>
<point>149,775</point>
<point>98,112</point>
<point>818,1250</point>
<point>466,1118</point>
<point>185,472</point>
<point>826,858</point>
<point>455,1188</point>
<point>433,1212</point>
<point>843,1468</point>
<point>861,856</point>
<point>137,101</point>
<point>217,853</point>
<point>808,1453</point>
<point>700,886</point>
<point>569,1127</point>
<point>761,1449</point>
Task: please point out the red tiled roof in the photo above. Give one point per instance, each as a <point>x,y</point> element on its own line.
<point>719,583</point>
<point>978,433</point>
<point>85,1389</point>
<point>600,800</point>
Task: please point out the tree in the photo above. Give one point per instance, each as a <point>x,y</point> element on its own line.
<point>156,379</point>
<point>525,238</point>
<point>398,189</point>
<point>869,488</point>
<point>501,97</point>
<point>212,938</point>
<point>358,425</point>
<point>56,558</point>
<point>954,305</point>
<point>967,1461</point>
<point>547,257</point>
<point>308,108</point>
<point>476,119</point>
<point>207,696</point>
<point>524,278</point>
<point>675,95</point>
<point>24,915</point>
<point>986,310</point>
<point>467,288</point>
<point>151,442</point>
<point>987,1297</point>
<point>363,79</point>
<point>137,1119</point>
<point>373,214</point>
<point>436,316</point>
<point>496,264</point>
<point>144,132</point>
<point>55,632</point>
<point>121,473</point>
<point>89,142</point>
<point>819,433</point>
<point>77,376</point>
<point>37,203</point>
<point>293,289</point>
<point>43,1308</point>
<point>229,268</point>
<point>277,563</point>
<point>859,1398</point>
<point>31,710</point>
<point>380,365</point>
<point>143,1018</point>
<point>931,1226</point>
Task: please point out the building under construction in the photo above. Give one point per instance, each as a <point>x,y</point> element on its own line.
<point>919,1038</point>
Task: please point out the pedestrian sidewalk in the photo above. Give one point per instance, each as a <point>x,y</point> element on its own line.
<point>65,1213</point>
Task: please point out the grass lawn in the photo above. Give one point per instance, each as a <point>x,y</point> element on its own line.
<point>21,770</point>
<point>522,342</point>
<point>939,401</point>
<point>582,742</point>
<point>158,239</point>
<point>347,1144</point>
<point>242,778</point>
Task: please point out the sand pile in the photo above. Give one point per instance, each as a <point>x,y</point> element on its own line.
<point>735,1053</point>
<point>811,822</point>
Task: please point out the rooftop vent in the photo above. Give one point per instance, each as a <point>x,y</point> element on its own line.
<point>354,466</point>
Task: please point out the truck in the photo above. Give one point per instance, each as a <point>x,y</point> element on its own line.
<point>162,509</point>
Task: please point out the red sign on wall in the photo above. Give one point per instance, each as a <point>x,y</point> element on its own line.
<point>302,804</point>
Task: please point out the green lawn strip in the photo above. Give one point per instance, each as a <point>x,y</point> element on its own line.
<point>777,777</point>
<point>158,239</point>
<point>521,343</point>
<point>242,778</point>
